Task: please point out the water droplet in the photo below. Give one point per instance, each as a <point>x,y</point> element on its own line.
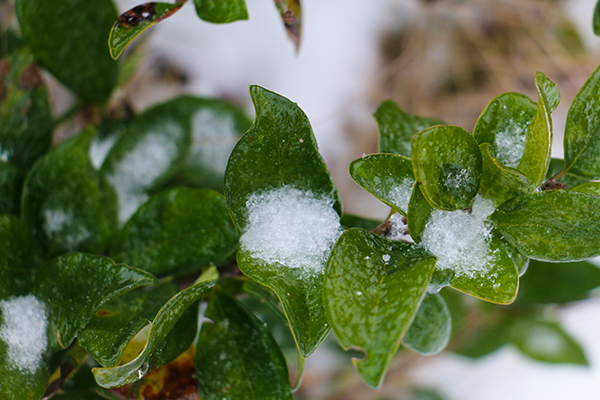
<point>359,293</point>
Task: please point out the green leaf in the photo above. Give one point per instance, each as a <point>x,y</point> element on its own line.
<point>503,124</point>
<point>17,264</point>
<point>277,162</point>
<point>147,154</point>
<point>75,286</point>
<point>596,19</point>
<point>291,14</point>
<point>373,288</point>
<point>69,38</point>
<point>556,166</point>
<point>25,117</point>
<point>118,321</point>
<point>386,176</point>
<point>67,204</point>
<point>177,230</point>
<point>255,367</point>
<point>546,342</point>
<point>134,22</point>
<point>546,283</point>
<point>107,135</point>
<point>11,182</point>
<point>418,214</point>
<point>552,225</point>
<point>355,221</point>
<point>485,340</point>
<point>430,330</point>
<point>397,127</point>
<point>447,166</point>
<point>538,141</point>
<point>221,11</point>
<point>592,188</point>
<point>164,322</point>
<point>10,41</point>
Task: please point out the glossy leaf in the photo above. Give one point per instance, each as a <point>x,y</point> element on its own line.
<point>147,154</point>
<point>278,152</point>
<point>11,182</point>
<point>177,230</point>
<point>430,330</point>
<point>67,204</point>
<point>75,286</point>
<point>503,124</point>
<point>17,264</point>
<point>386,176</point>
<point>255,367</point>
<point>553,225</point>
<point>558,283</point>
<point>538,141</point>
<point>291,14</point>
<point>221,11</point>
<point>164,322</point>
<point>69,38</point>
<point>419,211</point>
<point>373,288</point>
<point>134,22</point>
<point>556,166</point>
<point>498,182</point>
<point>355,221</point>
<point>397,127</point>
<point>546,342</point>
<point>118,321</point>
<point>592,188</point>
<point>25,116</point>
<point>447,166</point>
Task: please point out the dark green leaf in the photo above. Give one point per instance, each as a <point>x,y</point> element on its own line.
<point>291,14</point>
<point>134,22</point>
<point>221,11</point>
<point>255,367</point>
<point>355,221</point>
<point>11,182</point>
<point>386,176</point>
<point>397,127</point>
<point>498,182</point>
<point>485,340</point>
<point>177,230</point>
<point>419,211</point>
<point>596,19</point>
<point>558,283</point>
<point>430,330</point>
<point>9,42</point>
<point>546,342</point>
<point>67,204</point>
<point>556,166</point>
<point>503,124</point>
<point>17,266</point>
<point>25,118</point>
<point>447,166</point>
<point>538,141</point>
<point>373,288</point>
<point>69,38</point>
<point>161,327</point>
<point>552,225</point>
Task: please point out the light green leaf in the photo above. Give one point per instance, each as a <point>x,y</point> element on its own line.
<point>430,330</point>
<point>556,166</point>
<point>447,166</point>
<point>291,14</point>
<point>373,288</point>
<point>397,127</point>
<point>255,367</point>
<point>69,38</point>
<point>592,188</point>
<point>386,176</point>
<point>221,11</point>
<point>553,225</point>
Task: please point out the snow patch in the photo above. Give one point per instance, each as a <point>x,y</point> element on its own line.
<point>510,145</point>
<point>24,331</point>
<point>402,193</point>
<point>99,149</point>
<point>291,227</point>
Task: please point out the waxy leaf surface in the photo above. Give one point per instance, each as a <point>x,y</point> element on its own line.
<point>373,288</point>
<point>221,11</point>
<point>430,330</point>
<point>499,182</point>
<point>418,214</point>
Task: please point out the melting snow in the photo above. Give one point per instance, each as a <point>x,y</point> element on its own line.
<point>402,193</point>
<point>509,146</point>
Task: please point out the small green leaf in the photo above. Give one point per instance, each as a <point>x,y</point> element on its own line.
<point>538,141</point>
<point>418,214</point>
<point>355,221</point>
<point>177,230</point>
<point>430,330</point>
<point>67,204</point>
<point>373,288</point>
<point>25,117</point>
<point>546,342</point>
<point>485,340</point>
<point>552,225</point>
<point>291,14</point>
<point>69,38</point>
<point>221,11</point>
<point>447,166</point>
<point>397,127</point>
<point>503,124</point>
<point>592,188</point>
<point>498,182</point>
<point>11,182</point>
<point>255,367</point>
<point>386,176</point>
<point>556,166</point>
<point>75,286</point>
<point>162,325</point>
<point>596,19</point>
<point>558,283</point>
<point>134,22</point>
<point>17,264</point>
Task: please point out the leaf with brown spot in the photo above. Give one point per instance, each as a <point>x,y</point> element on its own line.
<point>291,13</point>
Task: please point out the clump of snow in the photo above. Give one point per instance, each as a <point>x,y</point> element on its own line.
<point>61,224</point>
<point>509,146</point>
<point>461,239</point>
<point>24,331</point>
<point>291,227</point>
<point>402,193</point>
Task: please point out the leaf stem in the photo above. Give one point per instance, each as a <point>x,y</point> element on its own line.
<point>559,175</point>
